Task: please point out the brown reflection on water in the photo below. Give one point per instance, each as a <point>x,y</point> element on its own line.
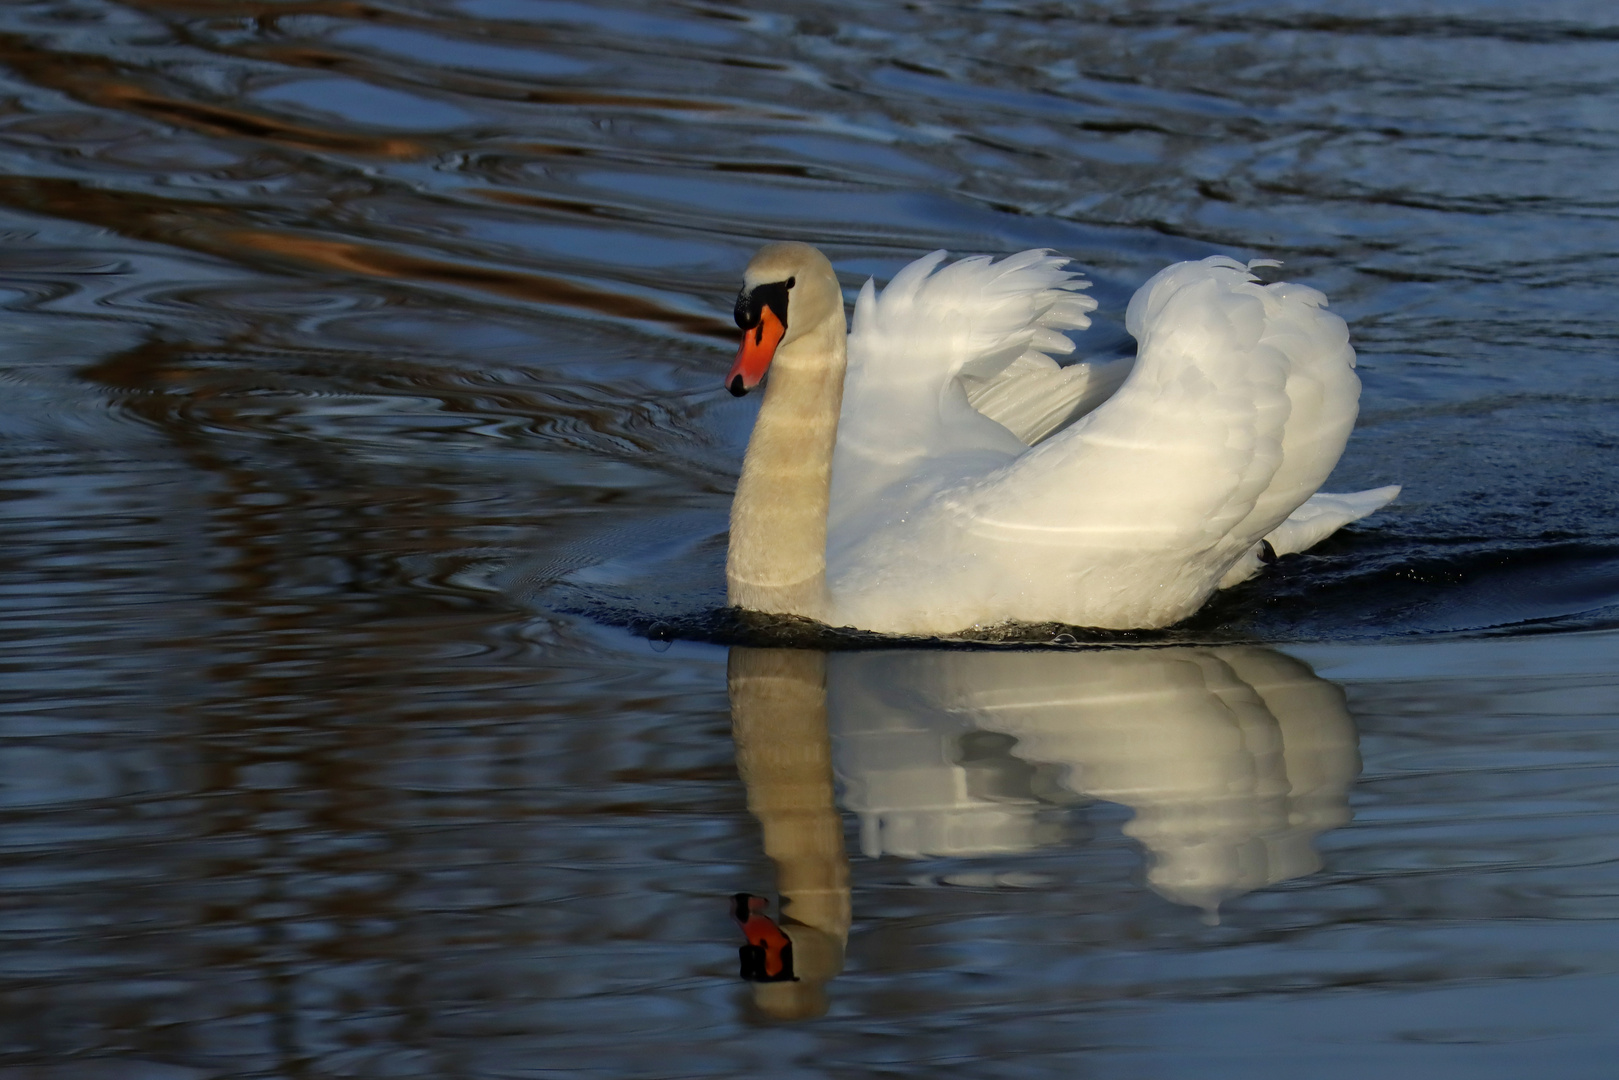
<point>534,288</point>
<point>287,883</point>
<point>217,230</point>
<point>98,81</point>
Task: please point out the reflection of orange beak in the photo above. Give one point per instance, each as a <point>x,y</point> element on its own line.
<point>768,955</point>
<point>766,935</point>
<point>758,349</point>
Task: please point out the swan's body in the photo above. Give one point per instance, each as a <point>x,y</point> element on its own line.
<point>934,486</point>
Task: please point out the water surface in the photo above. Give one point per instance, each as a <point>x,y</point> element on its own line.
<point>362,418</point>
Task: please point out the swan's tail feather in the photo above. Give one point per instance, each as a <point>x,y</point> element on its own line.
<point>1323,514</point>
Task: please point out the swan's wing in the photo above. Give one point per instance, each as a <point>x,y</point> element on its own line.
<point>1237,407</point>
<point>1322,391</point>
<point>1183,454</point>
<point>1033,397</point>
<point>906,425</point>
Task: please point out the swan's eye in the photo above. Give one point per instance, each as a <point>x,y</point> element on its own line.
<point>772,295</point>
<point>747,312</point>
<point>791,282</point>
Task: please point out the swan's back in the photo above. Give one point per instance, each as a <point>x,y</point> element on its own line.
<point>1239,404</point>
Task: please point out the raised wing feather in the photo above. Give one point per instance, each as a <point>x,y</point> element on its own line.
<point>906,425</point>
<point>1237,406</point>
<point>1176,459</point>
<point>1033,397</point>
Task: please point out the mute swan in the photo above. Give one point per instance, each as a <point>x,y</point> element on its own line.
<point>933,470</point>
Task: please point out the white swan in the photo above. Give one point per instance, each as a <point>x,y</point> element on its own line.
<point>955,477</point>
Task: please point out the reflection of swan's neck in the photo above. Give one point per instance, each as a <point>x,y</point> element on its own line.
<point>783,753</point>
<point>777,557</point>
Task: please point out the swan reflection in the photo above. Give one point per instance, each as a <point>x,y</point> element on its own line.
<point>778,719</point>
<point>1232,759</point>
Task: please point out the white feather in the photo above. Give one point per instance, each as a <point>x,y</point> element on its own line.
<point>1321,515</point>
<point>1032,397</point>
<point>1235,410</point>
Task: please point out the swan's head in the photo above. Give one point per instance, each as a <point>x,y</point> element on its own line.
<point>787,290</point>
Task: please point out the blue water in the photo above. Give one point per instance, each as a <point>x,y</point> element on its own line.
<point>364,693</point>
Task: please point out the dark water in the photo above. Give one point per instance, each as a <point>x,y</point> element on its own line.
<point>360,419</point>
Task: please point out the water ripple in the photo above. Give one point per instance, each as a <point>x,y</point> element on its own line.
<point>360,382</point>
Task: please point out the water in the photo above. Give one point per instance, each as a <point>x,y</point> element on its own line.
<point>362,420</point>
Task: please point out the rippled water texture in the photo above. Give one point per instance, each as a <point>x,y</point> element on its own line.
<point>360,420</point>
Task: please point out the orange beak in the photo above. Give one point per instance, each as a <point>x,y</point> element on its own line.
<point>758,349</point>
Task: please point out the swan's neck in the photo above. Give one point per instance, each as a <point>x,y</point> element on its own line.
<point>777,557</point>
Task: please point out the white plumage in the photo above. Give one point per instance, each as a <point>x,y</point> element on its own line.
<point>1161,487</point>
